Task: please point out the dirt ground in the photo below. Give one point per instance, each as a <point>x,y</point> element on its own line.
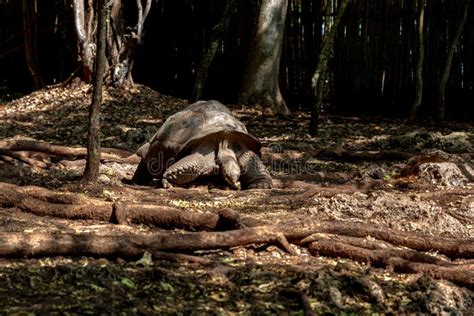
<point>377,171</point>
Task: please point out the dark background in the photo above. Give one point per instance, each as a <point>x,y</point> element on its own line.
<point>372,69</point>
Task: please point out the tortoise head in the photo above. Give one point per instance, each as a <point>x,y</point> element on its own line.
<point>229,165</point>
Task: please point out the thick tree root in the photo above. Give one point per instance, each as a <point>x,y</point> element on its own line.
<point>170,217</point>
<point>21,156</point>
<point>133,245</point>
<point>377,246</point>
<point>296,231</point>
<point>43,244</point>
<point>43,202</point>
<point>398,261</point>
<point>9,147</point>
<point>331,238</point>
<point>451,247</point>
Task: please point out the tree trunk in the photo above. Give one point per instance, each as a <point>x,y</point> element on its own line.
<point>317,81</point>
<point>29,39</point>
<point>122,42</point>
<point>260,84</point>
<point>419,65</point>
<point>91,172</point>
<point>440,113</point>
<point>84,31</point>
<point>217,33</point>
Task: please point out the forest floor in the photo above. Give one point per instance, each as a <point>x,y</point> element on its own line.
<point>388,173</point>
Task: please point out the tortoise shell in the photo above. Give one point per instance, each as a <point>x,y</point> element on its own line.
<point>203,122</point>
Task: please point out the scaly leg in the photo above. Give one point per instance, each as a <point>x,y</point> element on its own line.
<point>188,169</point>
<point>254,175</point>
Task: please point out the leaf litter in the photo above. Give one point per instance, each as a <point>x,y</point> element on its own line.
<point>250,280</point>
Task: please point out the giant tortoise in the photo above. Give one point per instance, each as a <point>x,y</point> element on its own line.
<point>204,139</point>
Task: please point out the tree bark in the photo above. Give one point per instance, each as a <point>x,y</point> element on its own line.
<point>172,218</point>
<point>217,33</point>
<point>91,172</point>
<point>36,164</point>
<point>133,245</point>
<point>123,41</point>
<point>297,230</point>
<point>317,81</point>
<point>111,154</point>
<point>29,39</point>
<point>398,260</point>
<point>260,80</point>
<point>440,113</point>
<point>43,202</point>
<point>300,231</point>
<point>420,60</point>
<point>84,32</point>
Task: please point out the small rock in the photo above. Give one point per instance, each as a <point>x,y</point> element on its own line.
<point>447,173</point>
<point>104,179</point>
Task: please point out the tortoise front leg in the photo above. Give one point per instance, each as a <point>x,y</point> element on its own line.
<point>254,175</point>
<point>187,169</point>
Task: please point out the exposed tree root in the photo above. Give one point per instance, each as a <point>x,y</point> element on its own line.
<point>41,244</point>
<point>283,242</point>
<point>23,158</point>
<point>354,241</point>
<point>299,230</point>
<point>393,260</point>
<point>291,184</point>
<point>331,238</point>
<point>170,217</point>
<point>43,202</point>
<point>13,145</point>
<point>451,247</point>
<point>464,219</point>
<point>376,245</point>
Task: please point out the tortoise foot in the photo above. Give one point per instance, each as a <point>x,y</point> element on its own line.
<point>166,183</point>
